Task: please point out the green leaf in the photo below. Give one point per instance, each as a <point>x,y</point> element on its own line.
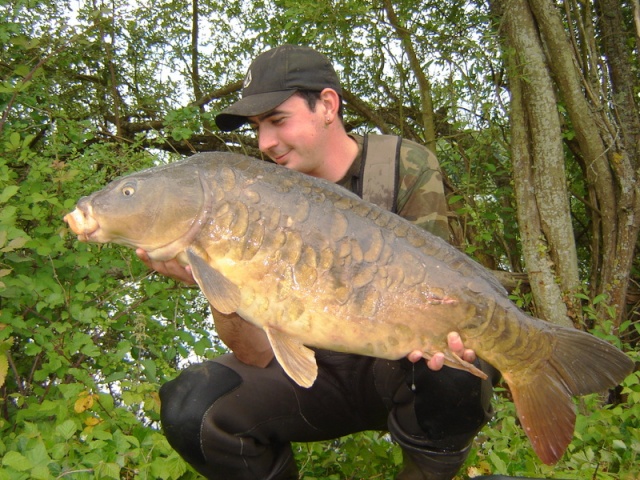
<point>149,369</point>
<point>40,472</point>
<point>498,462</point>
<point>619,444</point>
<point>17,461</point>
<point>66,429</point>
<point>108,470</point>
<point>8,192</point>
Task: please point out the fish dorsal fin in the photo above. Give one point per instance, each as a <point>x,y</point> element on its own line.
<point>298,361</point>
<point>223,295</point>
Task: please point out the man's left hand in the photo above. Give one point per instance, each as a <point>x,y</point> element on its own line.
<point>436,362</point>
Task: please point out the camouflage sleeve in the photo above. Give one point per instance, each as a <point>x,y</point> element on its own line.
<point>421,197</point>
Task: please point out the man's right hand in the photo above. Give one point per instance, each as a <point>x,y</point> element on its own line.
<point>248,342</point>
<point>170,268</point>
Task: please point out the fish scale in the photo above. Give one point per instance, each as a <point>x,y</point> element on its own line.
<point>315,266</point>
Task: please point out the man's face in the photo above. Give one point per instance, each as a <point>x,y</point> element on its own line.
<point>292,135</point>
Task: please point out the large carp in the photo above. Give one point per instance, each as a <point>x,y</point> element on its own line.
<point>314,265</point>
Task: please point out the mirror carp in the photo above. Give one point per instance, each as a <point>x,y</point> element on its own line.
<point>313,265</point>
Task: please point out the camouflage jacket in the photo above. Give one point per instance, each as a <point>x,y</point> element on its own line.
<point>421,197</point>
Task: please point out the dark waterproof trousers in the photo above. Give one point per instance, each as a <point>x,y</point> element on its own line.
<point>232,421</point>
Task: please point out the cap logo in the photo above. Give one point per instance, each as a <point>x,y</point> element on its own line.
<point>247,80</point>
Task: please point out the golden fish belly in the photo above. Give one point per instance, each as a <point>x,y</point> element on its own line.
<point>372,319</point>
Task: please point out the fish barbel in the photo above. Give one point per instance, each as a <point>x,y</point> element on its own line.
<point>314,265</point>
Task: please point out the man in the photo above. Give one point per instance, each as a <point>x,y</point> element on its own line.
<point>235,417</point>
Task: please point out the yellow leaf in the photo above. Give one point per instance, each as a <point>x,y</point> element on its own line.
<point>84,402</point>
<point>4,368</point>
<point>91,421</point>
<point>15,244</point>
<point>482,468</point>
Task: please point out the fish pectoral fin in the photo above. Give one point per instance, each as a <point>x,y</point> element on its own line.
<point>223,295</point>
<point>298,361</point>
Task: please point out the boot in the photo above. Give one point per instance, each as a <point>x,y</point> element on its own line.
<point>421,464</point>
<point>422,461</point>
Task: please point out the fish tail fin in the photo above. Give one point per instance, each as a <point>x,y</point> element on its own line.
<point>580,363</point>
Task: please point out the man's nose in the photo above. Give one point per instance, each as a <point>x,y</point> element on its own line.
<point>266,139</point>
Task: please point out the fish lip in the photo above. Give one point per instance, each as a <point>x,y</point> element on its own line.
<point>82,223</point>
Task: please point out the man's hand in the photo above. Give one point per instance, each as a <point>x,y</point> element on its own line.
<point>170,268</point>
<point>248,342</point>
<point>436,362</point>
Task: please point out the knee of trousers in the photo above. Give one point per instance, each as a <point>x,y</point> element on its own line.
<point>185,401</point>
<point>449,407</point>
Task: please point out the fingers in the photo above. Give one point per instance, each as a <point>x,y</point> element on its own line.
<point>454,344</point>
<point>415,356</point>
<point>436,362</point>
<point>457,346</point>
<point>144,256</point>
<point>170,268</point>
<point>469,355</point>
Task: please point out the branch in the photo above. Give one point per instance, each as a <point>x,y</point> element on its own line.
<point>195,69</point>
<point>221,92</point>
<point>363,109</point>
<point>423,81</point>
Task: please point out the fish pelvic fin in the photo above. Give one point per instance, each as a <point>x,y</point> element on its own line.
<point>223,295</point>
<point>579,363</point>
<point>298,361</point>
<point>451,359</point>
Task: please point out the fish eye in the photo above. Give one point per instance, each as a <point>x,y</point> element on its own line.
<point>128,190</point>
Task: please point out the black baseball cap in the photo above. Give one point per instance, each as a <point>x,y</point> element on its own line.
<point>273,77</point>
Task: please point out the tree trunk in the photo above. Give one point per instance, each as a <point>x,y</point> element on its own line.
<point>623,154</point>
<point>539,175</point>
<point>602,111</point>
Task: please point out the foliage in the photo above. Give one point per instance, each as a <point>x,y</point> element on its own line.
<point>87,335</point>
<point>368,455</point>
<point>90,342</point>
<point>606,442</point>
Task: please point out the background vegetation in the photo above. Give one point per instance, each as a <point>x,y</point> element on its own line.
<point>531,106</point>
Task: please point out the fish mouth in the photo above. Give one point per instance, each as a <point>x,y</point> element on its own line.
<point>83,224</point>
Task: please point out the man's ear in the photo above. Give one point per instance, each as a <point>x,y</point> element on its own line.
<point>330,102</point>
